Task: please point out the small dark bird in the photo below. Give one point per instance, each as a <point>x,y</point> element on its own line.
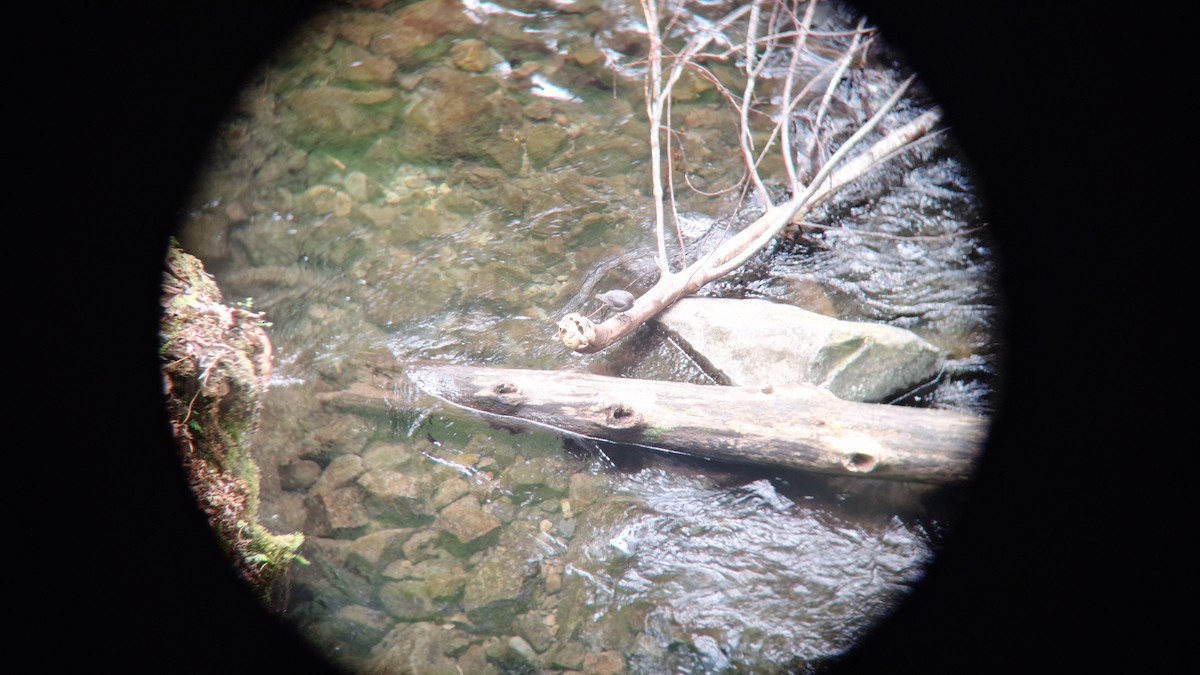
<point>619,300</point>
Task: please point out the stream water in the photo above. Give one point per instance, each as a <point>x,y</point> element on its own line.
<point>442,180</point>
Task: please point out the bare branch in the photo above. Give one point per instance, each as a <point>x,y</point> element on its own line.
<point>760,233</point>
<point>654,113</point>
<point>671,185</point>
<point>843,64</point>
<point>784,124</point>
<point>764,35</point>
<point>884,149</point>
<point>753,67</point>
<point>658,94</point>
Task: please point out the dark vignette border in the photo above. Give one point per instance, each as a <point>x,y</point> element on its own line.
<point>1040,574</point>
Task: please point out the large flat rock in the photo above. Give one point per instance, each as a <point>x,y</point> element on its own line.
<point>760,343</point>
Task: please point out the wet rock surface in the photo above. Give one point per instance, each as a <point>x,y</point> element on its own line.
<point>759,343</point>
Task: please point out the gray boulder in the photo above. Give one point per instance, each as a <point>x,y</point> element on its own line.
<point>761,343</point>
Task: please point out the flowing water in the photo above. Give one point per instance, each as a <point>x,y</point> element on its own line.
<point>442,181</point>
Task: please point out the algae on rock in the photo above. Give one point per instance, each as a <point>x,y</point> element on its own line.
<point>216,371</point>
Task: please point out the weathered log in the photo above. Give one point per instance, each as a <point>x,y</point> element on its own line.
<point>804,428</point>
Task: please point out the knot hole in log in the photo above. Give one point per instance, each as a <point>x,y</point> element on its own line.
<point>506,394</point>
<point>621,416</point>
<point>859,462</point>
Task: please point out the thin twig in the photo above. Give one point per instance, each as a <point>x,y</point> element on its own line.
<point>787,111</point>
<point>784,126</point>
<point>654,113</point>
<point>843,64</point>
<point>753,66</point>
<point>764,35</point>
<point>884,149</point>
<point>671,191</point>
<point>773,220</point>
<point>658,93</point>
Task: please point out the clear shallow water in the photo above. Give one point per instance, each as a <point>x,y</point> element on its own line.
<point>368,245</point>
<point>805,592</point>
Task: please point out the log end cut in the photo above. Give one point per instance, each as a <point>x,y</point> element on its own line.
<point>577,332</point>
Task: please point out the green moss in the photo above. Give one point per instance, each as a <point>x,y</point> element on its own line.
<point>652,433</point>
<point>272,553</point>
<point>216,374</point>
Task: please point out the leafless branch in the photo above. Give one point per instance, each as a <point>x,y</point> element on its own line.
<point>774,35</point>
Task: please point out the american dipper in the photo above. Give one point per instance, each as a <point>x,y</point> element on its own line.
<point>619,300</point>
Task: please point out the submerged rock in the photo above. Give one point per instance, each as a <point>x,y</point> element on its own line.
<point>497,592</point>
<point>340,472</point>
<point>538,477</point>
<point>413,648</point>
<point>471,55</point>
<point>543,141</point>
<point>533,628</point>
<point>513,655</point>
<point>474,661</point>
<point>762,343</point>
<point>412,33</point>
<point>466,521</point>
<point>397,498</point>
<point>299,474</point>
<point>605,663</point>
<point>337,512</point>
<point>409,600</point>
<point>373,551</point>
<point>331,116</point>
<point>360,627</point>
<point>450,491</point>
<point>458,113</point>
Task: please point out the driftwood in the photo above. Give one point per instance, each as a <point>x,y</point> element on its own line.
<point>804,428</point>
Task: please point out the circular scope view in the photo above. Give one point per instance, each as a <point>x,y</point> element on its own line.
<point>588,336</point>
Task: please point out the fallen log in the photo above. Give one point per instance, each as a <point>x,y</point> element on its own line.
<point>803,427</point>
